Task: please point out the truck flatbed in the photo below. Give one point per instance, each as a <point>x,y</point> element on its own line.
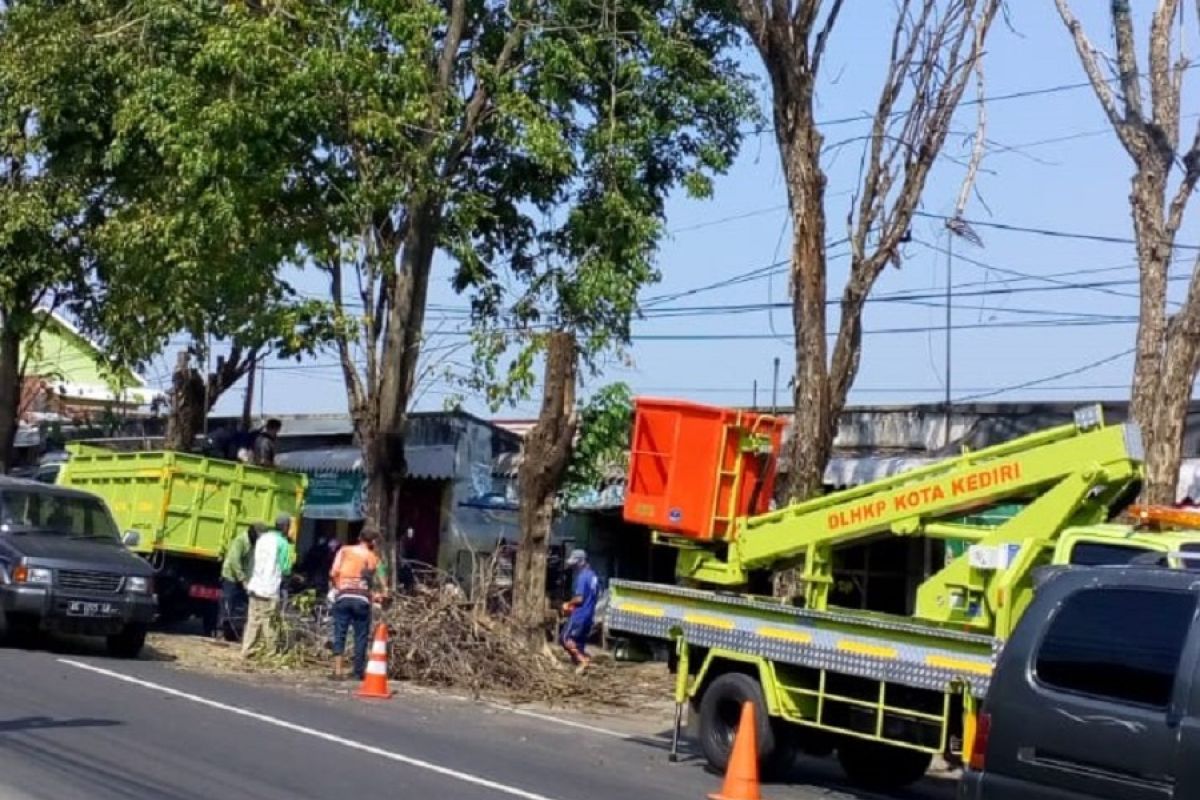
<point>877,646</point>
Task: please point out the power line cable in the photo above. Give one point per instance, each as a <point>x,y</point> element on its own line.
<point>1058,234</point>
<point>1048,378</point>
<point>1016,95</point>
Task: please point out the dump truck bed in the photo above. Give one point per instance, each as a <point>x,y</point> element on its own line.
<point>182,503</point>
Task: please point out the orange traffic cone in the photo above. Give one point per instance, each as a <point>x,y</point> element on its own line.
<point>741,777</point>
<point>375,681</point>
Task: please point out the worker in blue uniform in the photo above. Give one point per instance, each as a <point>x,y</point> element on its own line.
<point>580,610</point>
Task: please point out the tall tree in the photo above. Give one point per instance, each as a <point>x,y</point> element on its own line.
<point>452,133</point>
<point>50,118</point>
<point>211,129</point>
<point>1165,172</point>
<point>646,101</point>
<point>934,46</point>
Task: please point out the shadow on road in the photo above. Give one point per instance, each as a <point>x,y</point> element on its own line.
<point>67,645</point>
<point>44,723</point>
<point>810,775</point>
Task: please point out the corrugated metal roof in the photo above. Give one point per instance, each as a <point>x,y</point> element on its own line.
<point>507,465</point>
<point>432,462</point>
<point>325,459</point>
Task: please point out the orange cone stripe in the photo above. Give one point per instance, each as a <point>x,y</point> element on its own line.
<point>741,777</point>
<point>375,682</point>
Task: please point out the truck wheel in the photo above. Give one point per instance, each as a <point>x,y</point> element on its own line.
<point>720,713</point>
<point>128,643</point>
<point>881,767</point>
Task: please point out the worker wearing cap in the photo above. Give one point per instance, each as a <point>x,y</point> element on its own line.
<point>354,578</point>
<point>580,609</point>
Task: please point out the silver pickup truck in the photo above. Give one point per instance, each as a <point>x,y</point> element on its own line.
<point>65,568</point>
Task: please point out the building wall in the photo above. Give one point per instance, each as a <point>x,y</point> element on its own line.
<point>467,525</point>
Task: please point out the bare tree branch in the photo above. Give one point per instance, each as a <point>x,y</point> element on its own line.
<point>979,147</point>
<point>1104,93</point>
<point>1164,89</point>
<point>823,37</point>
<point>1127,66</point>
<point>354,385</point>
<point>451,44</point>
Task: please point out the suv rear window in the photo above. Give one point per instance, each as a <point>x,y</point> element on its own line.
<point>1117,644</point>
<point>1101,554</point>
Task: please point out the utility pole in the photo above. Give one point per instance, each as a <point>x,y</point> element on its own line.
<point>955,226</point>
<point>775,389</point>
<point>248,400</point>
<point>949,333</point>
<point>754,396</point>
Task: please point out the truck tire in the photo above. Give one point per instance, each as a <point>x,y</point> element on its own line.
<point>128,643</point>
<point>720,713</point>
<point>881,767</point>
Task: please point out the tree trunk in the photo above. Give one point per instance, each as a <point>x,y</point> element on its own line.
<point>812,428</point>
<point>543,467</point>
<point>10,393</point>
<point>1168,345</point>
<point>398,368</point>
<point>800,147</point>
<point>188,410</point>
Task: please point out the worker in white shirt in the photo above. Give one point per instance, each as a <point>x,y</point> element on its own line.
<point>272,562</point>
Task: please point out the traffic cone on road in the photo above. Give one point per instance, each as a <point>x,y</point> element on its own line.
<point>375,681</point>
<point>741,776</point>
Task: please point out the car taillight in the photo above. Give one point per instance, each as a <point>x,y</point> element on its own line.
<point>983,727</point>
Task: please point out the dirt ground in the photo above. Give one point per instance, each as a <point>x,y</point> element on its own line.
<point>633,691</point>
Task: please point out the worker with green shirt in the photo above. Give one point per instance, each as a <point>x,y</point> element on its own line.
<point>235,574</point>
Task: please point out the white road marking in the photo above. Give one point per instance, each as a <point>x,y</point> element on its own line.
<point>568,723</point>
<point>464,777</point>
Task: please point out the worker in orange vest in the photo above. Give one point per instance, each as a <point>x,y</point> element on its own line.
<point>354,579</point>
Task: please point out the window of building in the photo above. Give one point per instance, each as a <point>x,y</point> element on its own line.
<point>1117,644</point>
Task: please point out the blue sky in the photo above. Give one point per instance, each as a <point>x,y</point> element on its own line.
<point>1053,165</point>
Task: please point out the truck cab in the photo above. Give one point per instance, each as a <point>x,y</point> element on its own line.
<point>64,567</point>
<point>1095,695</point>
<point>1115,545</point>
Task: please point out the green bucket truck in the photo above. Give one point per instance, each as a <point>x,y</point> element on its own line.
<point>886,692</point>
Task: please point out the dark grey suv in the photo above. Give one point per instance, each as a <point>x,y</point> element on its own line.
<point>1096,694</point>
<point>64,567</point>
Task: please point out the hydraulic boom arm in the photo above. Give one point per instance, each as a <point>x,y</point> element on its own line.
<point>1064,476</point>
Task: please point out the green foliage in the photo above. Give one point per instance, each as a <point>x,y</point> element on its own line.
<point>605,426</point>
<point>180,126</point>
<point>647,99</point>
<point>48,184</point>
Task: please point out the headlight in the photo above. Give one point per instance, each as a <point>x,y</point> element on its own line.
<point>38,575</point>
<point>139,585</point>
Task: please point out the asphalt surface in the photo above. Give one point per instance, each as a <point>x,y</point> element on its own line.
<point>77,725</point>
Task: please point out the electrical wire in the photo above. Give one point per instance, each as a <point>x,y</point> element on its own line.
<point>1048,378</point>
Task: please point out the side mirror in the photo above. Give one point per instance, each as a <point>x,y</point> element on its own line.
<point>131,539</point>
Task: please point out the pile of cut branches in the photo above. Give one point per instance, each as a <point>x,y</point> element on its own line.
<point>441,637</point>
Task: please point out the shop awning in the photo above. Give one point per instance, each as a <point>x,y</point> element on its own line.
<point>429,462</point>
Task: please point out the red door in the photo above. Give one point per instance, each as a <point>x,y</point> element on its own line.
<point>420,510</point>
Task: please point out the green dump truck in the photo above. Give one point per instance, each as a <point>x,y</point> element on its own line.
<point>185,510</point>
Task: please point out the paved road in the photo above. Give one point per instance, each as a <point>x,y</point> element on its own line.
<point>76,725</point>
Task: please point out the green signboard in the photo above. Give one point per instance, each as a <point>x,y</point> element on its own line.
<point>334,495</point>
